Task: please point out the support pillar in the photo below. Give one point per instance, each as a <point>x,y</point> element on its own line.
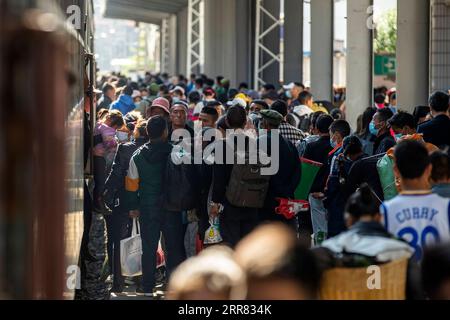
<point>412,53</point>
<point>228,40</point>
<point>293,48</point>
<point>359,59</point>
<point>322,39</point>
<point>182,44</point>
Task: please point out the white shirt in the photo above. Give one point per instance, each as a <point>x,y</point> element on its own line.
<point>421,220</point>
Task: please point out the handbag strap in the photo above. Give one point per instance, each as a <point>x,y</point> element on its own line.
<point>136,227</point>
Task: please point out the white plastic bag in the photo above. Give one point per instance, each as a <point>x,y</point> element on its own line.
<point>212,235</point>
<point>131,253</point>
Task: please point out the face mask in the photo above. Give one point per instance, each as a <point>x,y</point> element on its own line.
<point>398,136</point>
<point>137,104</point>
<point>122,136</point>
<point>372,129</point>
<point>289,94</point>
<point>175,100</point>
<point>333,143</point>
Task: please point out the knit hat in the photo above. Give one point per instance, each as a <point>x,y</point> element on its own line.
<point>181,103</point>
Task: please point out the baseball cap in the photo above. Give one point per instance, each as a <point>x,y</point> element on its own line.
<point>178,88</point>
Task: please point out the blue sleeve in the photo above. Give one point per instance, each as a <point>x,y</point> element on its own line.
<point>384,213</point>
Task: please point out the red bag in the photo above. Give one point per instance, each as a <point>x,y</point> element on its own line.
<point>290,208</point>
<point>160,257</point>
<point>199,244</point>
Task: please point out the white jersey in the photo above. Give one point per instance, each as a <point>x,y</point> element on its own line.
<point>421,220</point>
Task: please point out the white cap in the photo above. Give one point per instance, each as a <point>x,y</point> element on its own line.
<point>178,88</point>
<point>290,86</point>
<point>237,102</point>
<point>136,94</point>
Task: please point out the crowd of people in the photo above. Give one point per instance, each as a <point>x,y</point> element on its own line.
<point>374,195</point>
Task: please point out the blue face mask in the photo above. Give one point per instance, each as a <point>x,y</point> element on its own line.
<point>398,136</point>
<point>372,129</point>
<point>333,143</point>
<point>175,100</point>
<point>289,94</point>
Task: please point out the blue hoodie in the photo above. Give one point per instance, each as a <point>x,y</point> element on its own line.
<point>124,104</point>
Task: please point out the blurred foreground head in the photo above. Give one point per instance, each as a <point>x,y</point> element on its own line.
<point>277,266</point>
<point>212,275</point>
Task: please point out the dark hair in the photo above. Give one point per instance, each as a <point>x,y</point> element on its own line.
<point>352,145</point>
<point>209,82</point>
<point>299,84</point>
<point>342,127</point>
<point>441,165</point>
<point>116,118</point>
<point>367,117</point>
<point>420,112</point>
<point>385,114</point>
<point>243,85</point>
<point>380,98</point>
<point>232,93</point>
<point>194,97</point>
<point>363,202</point>
<point>156,126</point>
<point>107,87</point>
<point>281,107</point>
<point>439,101</point>
<point>164,89</point>
<point>213,104</point>
<point>128,90</point>
<point>411,159</point>
<point>262,103</point>
<point>141,127</point>
<point>323,123</point>
<point>271,95</point>
<point>210,110</point>
<point>435,269</point>
<point>199,82</point>
<point>236,117</point>
<point>304,97</point>
<point>336,114</point>
<point>134,86</point>
<point>315,116</point>
<point>269,87</point>
<point>222,123</point>
<point>301,265</point>
<point>402,119</point>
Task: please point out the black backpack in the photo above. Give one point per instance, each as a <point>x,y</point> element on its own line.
<point>303,121</point>
<point>247,187</point>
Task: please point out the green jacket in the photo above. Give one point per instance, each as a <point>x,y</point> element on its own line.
<point>145,175</point>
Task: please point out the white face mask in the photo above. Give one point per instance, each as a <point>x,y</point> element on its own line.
<point>122,136</point>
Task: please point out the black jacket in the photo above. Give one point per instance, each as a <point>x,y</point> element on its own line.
<point>436,131</point>
<point>319,151</point>
<point>284,183</point>
<point>364,171</point>
<point>383,143</point>
<point>104,103</point>
<point>115,183</point>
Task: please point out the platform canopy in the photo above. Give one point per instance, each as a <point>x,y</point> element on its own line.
<point>148,11</point>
